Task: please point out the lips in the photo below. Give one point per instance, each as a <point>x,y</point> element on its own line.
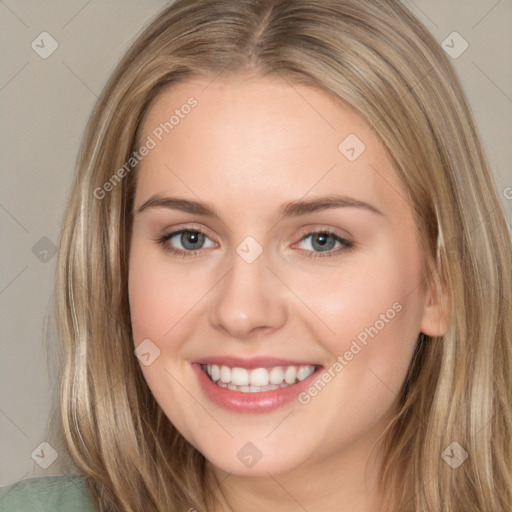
<point>253,385</point>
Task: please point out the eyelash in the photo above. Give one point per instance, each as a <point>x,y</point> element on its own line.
<point>346,244</point>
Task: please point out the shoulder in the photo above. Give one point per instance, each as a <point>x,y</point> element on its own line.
<point>66,493</point>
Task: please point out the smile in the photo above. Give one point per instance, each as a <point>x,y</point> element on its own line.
<point>256,380</point>
<point>254,385</point>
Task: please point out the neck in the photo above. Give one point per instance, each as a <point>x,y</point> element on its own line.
<point>345,480</point>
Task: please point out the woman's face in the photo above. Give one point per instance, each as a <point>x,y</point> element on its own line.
<point>301,255</point>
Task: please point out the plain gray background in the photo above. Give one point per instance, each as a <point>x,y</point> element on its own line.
<point>45,106</point>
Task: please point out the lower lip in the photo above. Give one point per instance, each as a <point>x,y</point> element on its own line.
<point>259,402</point>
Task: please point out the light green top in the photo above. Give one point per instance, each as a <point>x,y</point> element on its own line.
<point>66,493</point>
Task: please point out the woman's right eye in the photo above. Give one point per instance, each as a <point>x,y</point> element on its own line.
<point>189,239</point>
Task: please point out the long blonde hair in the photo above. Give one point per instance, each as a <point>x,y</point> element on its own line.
<point>376,57</point>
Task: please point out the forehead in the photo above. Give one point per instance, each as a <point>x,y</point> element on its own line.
<point>260,139</point>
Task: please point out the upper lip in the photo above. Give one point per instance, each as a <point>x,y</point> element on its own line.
<point>252,362</point>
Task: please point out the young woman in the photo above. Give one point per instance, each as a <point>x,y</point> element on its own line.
<point>285,275</point>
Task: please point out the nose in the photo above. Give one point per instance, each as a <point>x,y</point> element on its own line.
<point>250,299</point>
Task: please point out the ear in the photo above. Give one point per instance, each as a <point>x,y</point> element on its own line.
<point>436,308</point>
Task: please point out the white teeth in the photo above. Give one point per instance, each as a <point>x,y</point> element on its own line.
<point>290,374</point>
<point>257,379</point>
<point>239,377</point>
<point>304,372</point>
<point>214,372</point>
<point>225,374</point>
<point>276,375</point>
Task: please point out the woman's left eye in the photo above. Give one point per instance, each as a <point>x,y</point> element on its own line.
<point>322,241</point>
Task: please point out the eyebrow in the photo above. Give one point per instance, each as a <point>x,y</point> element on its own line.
<point>289,209</point>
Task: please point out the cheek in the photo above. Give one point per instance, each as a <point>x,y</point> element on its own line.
<point>156,299</point>
<point>158,308</point>
<point>148,305</point>
<point>370,313</point>
<point>375,313</point>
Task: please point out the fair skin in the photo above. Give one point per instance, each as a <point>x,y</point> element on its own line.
<point>249,146</point>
